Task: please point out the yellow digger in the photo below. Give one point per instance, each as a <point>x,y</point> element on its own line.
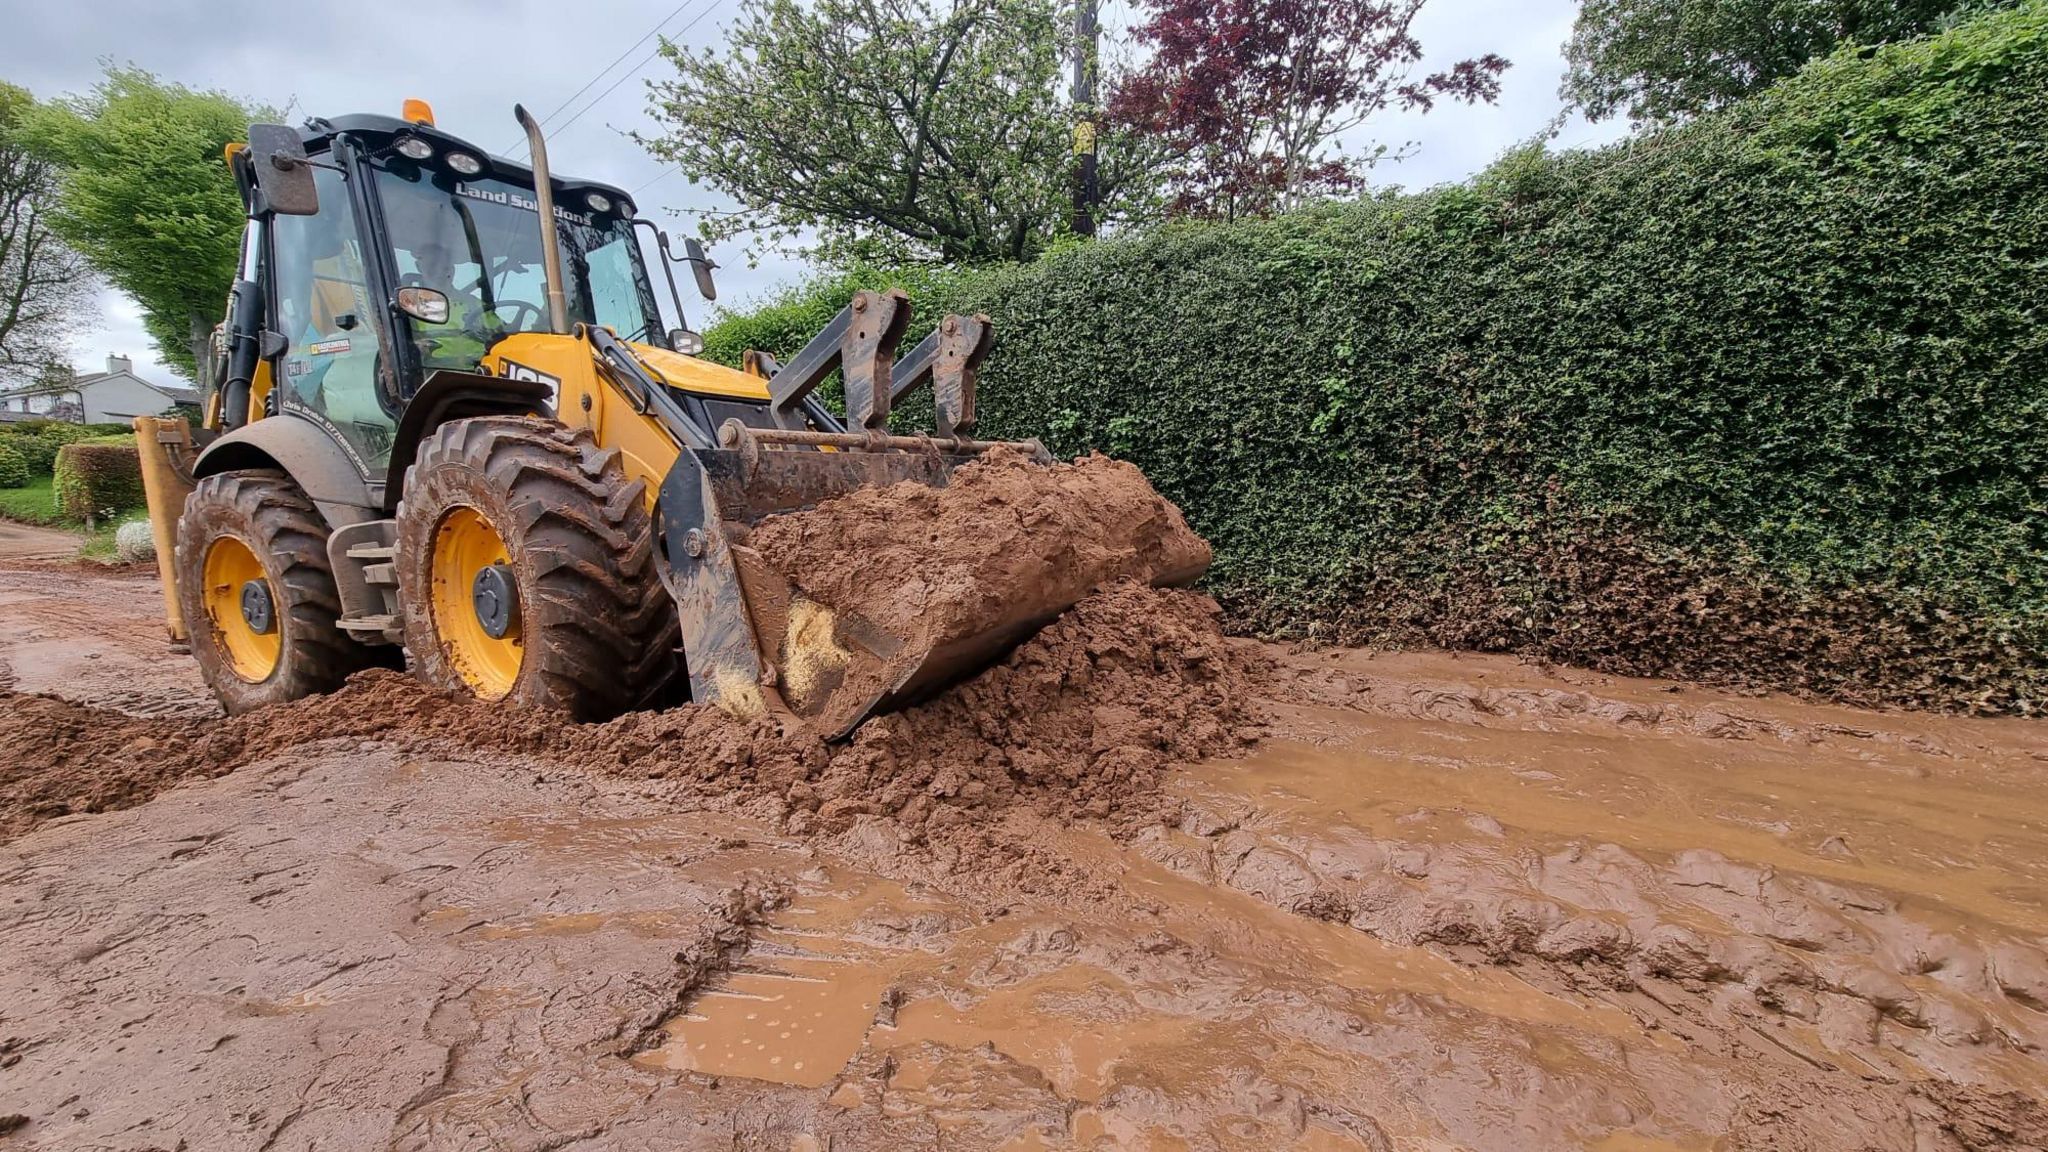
<point>445,421</point>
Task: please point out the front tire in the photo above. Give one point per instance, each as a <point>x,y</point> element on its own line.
<point>526,567</point>
<point>255,587</point>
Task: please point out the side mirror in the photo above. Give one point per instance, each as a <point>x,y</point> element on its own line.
<point>685,341</point>
<point>424,304</point>
<point>282,172</point>
<point>702,266</point>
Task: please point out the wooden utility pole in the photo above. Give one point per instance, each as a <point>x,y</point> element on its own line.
<point>1085,191</point>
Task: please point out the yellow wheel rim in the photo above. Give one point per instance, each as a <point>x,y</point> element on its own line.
<point>230,567</point>
<point>464,545</point>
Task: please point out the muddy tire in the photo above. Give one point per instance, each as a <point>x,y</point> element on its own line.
<point>526,567</point>
<point>257,593</point>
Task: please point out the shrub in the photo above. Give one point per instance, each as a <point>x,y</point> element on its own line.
<point>39,440</point>
<point>134,543</point>
<point>98,480</point>
<point>14,471</point>
<point>1756,400</point>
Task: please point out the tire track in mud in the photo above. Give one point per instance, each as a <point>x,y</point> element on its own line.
<point>356,950</point>
<point>97,639</point>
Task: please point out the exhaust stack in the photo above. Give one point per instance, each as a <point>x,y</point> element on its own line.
<point>550,240</point>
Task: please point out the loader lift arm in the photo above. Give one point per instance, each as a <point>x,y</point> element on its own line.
<point>733,610</point>
<point>860,343</point>
<point>949,358</point>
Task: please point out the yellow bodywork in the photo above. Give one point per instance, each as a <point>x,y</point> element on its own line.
<point>259,390</point>
<point>585,400</point>
<point>260,385</point>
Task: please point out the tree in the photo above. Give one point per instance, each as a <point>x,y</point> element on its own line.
<point>1251,95</point>
<point>1666,60</point>
<point>45,287</point>
<point>146,195</point>
<point>895,130</point>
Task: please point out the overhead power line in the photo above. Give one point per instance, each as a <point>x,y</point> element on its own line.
<point>673,12</point>
<point>628,74</point>
<point>644,61</point>
<point>651,183</point>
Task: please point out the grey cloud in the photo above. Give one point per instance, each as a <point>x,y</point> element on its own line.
<point>471,61</point>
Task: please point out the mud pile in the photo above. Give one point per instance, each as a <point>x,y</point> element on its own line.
<point>64,758</point>
<point>1077,722</point>
<point>881,585</point>
<point>1080,720</point>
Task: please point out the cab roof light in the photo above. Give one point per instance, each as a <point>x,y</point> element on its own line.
<point>417,111</point>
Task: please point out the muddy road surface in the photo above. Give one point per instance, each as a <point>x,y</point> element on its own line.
<point>28,542</point>
<point>1141,887</point>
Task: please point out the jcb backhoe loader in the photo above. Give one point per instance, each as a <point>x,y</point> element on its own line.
<point>446,420</point>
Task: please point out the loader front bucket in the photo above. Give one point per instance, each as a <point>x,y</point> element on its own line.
<point>817,644</point>
<point>809,641</point>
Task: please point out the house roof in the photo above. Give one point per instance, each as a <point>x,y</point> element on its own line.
<point>180,395</point>
<point>171,393</point>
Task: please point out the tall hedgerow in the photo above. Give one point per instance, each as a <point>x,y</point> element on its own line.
<point>1762,399</point>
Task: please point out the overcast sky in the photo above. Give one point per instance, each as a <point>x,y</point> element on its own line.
<point>471,61</point>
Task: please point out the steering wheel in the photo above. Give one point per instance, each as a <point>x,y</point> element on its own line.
<point>525,317</point>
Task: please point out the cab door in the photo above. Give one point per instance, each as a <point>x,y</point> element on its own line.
<point>334,363</point>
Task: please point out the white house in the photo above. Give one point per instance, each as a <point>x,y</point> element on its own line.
<point>115,396</point>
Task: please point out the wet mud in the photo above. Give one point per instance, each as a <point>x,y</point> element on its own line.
<point>96,636</point>
<point>899,590</point>
<point>1138,886</point>
<point>1079,721</point>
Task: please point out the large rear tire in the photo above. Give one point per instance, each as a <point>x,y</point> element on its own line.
<point>526,567</point>
<point>257,593</point>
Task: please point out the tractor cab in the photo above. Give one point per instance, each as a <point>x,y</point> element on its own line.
<point>380,251</point>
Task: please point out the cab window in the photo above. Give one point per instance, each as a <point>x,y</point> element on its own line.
<point>616,288</point>
<point>325,311</point>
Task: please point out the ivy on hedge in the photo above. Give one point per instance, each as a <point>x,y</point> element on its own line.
<point>1760,399</point>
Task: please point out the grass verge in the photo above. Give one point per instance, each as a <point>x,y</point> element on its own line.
<point>34,504</point>
<point>99,543</point>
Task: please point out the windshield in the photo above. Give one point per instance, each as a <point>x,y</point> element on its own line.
<point>476,241</point>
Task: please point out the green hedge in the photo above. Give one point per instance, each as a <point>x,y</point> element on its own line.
<point>38,441</point>
<point>96,480</point>
<point>1759,400</point>
<point>14,471</point>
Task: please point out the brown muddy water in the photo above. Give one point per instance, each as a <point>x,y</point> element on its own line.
<point>1463,903</point>
<point>1448,903</point>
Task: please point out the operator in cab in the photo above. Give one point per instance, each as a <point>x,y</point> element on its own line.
<point>472,324</point>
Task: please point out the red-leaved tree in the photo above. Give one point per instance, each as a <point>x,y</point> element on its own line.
<point>1250,95</point>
